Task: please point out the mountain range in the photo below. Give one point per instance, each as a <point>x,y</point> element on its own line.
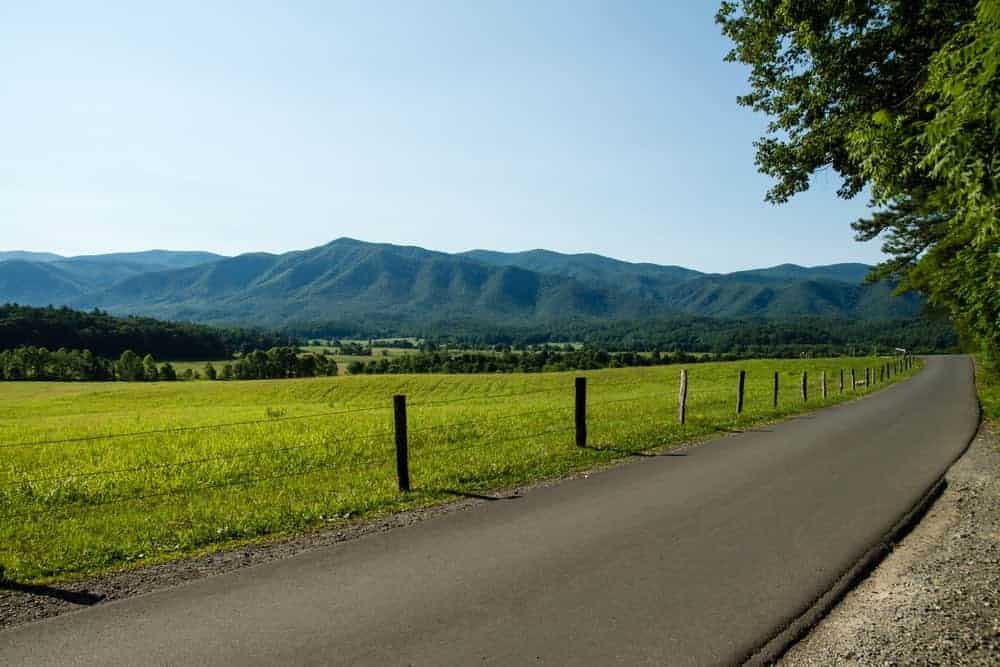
<point>348,279</point>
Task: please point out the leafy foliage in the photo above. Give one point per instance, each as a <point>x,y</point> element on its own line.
<point>901,97</point>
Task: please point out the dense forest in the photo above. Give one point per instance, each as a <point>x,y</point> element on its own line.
<point>107,336</point>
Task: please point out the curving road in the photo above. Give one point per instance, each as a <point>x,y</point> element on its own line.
<point>694,559</point>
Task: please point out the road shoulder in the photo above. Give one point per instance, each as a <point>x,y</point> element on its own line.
<point>936,598</point>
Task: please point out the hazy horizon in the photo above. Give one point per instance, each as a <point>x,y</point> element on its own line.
<point>459,252</point>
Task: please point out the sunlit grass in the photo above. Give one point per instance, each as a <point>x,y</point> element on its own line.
<point>286,455</point>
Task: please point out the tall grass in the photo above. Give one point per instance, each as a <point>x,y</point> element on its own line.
<point>94,476</point>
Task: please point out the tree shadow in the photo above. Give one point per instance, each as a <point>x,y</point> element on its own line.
<point>82,598</point>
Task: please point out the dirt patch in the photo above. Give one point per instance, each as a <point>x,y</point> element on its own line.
<point>935,600</point>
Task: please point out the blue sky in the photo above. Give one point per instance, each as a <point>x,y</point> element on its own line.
<point>260,126</point>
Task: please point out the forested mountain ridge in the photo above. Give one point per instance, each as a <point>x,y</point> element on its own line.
<point>46,278</point>
<point>349,280</point>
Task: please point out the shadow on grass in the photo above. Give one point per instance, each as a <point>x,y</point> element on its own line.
<point>82,598</point>
<point>478,496</point>
<point>624,451</point>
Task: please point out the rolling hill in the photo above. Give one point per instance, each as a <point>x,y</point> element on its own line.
<point>348,279</point>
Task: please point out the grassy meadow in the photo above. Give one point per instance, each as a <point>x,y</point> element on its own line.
<point>103,475</point>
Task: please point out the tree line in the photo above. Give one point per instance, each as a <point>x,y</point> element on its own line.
<point>276,363</point>
<point>816,336</point>
<point>30,363</point>
<point>545,359</point>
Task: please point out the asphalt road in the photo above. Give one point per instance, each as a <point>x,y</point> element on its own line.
<point>693,559</point>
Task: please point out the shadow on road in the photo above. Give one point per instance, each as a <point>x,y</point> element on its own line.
<point>82,598</point>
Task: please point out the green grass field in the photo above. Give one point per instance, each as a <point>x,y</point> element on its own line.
<point>104,475</point>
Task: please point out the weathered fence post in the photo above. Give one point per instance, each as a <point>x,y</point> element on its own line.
<point>824,384</point>
<point>841,380</point>
<point>868,377</point>
<point>881,373</point>
<point>774,393</point>
<point>854,381</point>
<point>682,397</point>
<point>739,391</point>
<point>805,387</point>
<point>402,455</point>
<point>581,412</point>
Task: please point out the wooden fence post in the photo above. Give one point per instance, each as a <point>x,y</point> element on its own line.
<point>805,387</point>
<point>881,373</point>
<point>581,412</point>
<point>868,377</point>
<point>854,381</point>
<point>824,385</point>
<point>739,392</point>
<point>841,380</point>
<point>774,394</point>
<point>682,397</point>
<point>402,453</point>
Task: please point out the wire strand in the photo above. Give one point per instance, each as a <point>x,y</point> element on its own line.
<point>185,429</point>
<point>472,422</point>
<point>478,441</point>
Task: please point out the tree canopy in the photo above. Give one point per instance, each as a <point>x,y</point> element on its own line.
<point>900,98</point>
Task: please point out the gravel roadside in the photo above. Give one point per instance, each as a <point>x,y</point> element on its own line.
<point>935,600</point>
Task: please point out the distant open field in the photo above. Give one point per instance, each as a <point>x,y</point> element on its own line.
<point>100,475</point>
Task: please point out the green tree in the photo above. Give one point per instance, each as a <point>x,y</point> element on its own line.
<point>149,371</point>
<point>210,371</point>
<point>130,367</point>
<point>900,97</point>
